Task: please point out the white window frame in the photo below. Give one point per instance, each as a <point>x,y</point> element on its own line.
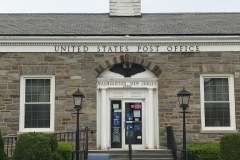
<point>22,102</point>
<point>232,126</point>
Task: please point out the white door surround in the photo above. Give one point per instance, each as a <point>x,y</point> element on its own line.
<point>131,89</point>
<point>117,90</point>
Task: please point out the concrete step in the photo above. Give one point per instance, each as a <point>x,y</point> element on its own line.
<point>156,154</point>
<point>142,158</point>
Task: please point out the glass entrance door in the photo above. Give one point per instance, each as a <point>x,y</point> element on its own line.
<point>116,124</point>
<point>133,124</point>
<point>126,124</point>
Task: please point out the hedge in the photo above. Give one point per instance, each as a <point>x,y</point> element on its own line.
<point>65,149</point>
<point>230,147</point>
<point>205,150</point>
<point>3,156</point>
<point>36,146</point>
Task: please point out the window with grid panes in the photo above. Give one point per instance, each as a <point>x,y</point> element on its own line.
<point>37,106</point>
<point>217,102</point>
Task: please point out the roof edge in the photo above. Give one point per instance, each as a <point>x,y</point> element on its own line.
<point>120,39</point>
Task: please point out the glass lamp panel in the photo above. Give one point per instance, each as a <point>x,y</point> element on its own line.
<point>180,100</point>
<point>77,101</point>
<point>185,100</point>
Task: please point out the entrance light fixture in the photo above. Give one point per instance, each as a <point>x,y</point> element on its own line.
<point>77,98</point>
<point>183,98</point>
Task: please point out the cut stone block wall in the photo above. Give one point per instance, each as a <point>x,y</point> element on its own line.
<point>73,70</point>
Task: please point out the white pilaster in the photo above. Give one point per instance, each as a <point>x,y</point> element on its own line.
<point>98,118</point>
<point>150,120</point>
<point>104,119</point>
<point>156,122</point>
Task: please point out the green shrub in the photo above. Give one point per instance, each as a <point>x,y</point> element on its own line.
<point>205,150</point>
<point>3,155</point>
<point>36,146</point>
<point>230,147</point>
<point>65,150</point>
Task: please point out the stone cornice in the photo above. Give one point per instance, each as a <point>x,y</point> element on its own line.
<point>53,40</point>
<point>120,44</point>
<point>47,44</point>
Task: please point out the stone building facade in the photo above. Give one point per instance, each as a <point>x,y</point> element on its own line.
<point>204,59</point>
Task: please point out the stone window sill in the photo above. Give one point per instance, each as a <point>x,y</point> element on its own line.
<point>219,131</point>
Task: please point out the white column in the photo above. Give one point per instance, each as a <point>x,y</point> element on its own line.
<point>98,117</point>
<point>150,120</point>
<point>156,122</point>
<point>103,118</point>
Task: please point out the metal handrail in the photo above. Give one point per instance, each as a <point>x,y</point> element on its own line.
<point>10,141</point>
<point>129,144</point>
<point>86,147</point>
<point>190,155</point>
<point>9,145</point>
<point>70,137</point>
<point>171,143</point>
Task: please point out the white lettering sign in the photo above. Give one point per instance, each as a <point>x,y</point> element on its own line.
<point>127,84</point>
<point>139,49</point>
<point>118,48</point>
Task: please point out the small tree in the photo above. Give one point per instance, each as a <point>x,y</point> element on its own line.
<point>229,147</point>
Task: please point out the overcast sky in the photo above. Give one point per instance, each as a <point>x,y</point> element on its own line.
<point>102,6</point>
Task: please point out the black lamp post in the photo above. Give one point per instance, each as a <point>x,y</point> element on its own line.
<point>77,98</point>
<point>183,98</point>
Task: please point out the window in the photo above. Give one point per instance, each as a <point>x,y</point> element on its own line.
<point>217,102</point>
<point>37,103</point>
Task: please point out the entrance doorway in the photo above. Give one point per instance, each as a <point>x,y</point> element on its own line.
<point>127,107</point>
<point>127,123</point>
